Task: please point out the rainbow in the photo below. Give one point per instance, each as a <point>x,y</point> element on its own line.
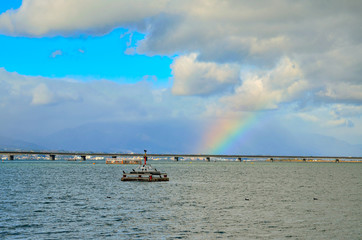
<point>223,133</point>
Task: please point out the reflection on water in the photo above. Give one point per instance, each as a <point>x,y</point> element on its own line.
<point>227,200</point>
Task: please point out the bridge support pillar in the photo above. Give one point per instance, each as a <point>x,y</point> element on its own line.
<point>11,157</point>
<point>83,158</point>
<point>52,157</point>
<point>207,159</point>
<point>239,159</point>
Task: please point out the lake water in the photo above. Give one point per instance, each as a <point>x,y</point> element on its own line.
<point>202,200</point>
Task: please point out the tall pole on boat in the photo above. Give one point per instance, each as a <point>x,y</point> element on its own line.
<point>145,157</point>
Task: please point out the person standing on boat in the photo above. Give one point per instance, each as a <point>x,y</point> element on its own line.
<point>145,157</point>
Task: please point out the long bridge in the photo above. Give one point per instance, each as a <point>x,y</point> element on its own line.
<point>52,155</point>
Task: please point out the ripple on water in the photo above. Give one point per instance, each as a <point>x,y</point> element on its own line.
<point>62,200</point>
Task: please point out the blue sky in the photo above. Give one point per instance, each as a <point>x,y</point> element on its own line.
<point>82,57</point>
<point>9,4</point>
<point>65,65</point>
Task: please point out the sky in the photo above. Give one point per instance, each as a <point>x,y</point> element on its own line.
<point>221,77</point>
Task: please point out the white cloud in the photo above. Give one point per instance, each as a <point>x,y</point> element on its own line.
<point>45,103</point>
<point>340,123</point>
<point>342,91</point>
<point>42,95</point>
<point>192,77</point>
<point>28,91</point>
<point>69,17</point>
<point>308,117</point>
<point>267,89</point>
<point>344,110</point>
<point>56,53</point>
<point>324,38</point>
<point>244,29</point>
<point>345,118</point>
<point>262,46</point>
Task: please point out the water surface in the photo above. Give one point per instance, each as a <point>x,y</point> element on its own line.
<point>203,200</point>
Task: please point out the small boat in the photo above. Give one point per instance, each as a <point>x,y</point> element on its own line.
<point>145,173</point>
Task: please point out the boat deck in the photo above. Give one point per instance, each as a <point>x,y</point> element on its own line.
<point>145,177</point>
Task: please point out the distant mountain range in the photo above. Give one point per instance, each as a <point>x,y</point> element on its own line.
<point>131,137</point>
<point>278,141</point>
<point>180,137</point>
<point>10,144</point>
